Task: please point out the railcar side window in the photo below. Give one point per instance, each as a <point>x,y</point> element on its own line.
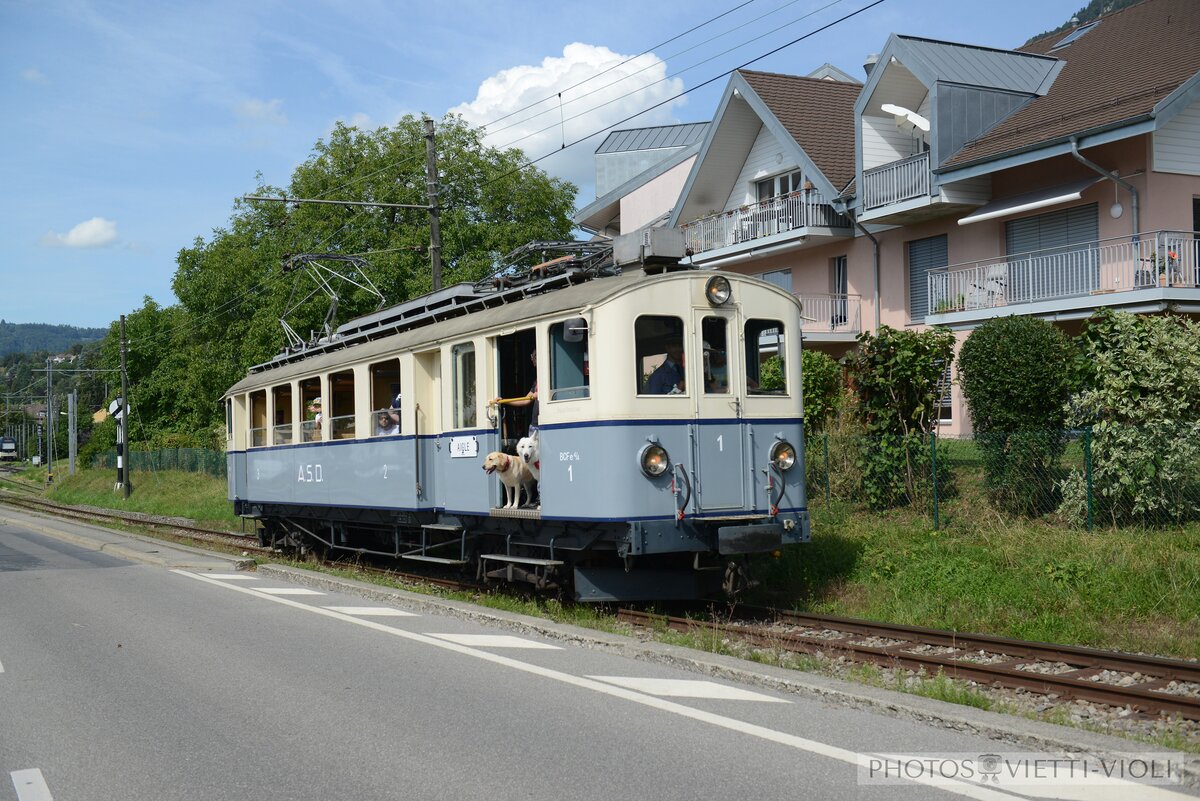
<point>385,398</point>
<point>341,409</point>
<point>281,431</point>
<point>716,356</point>
<point>660,356</point>
<point>766,372</point>
<point>569,374</point>
<point>311,404</point>
<point>229,418</point>
<point>463,357</point>
<point>258,418</point>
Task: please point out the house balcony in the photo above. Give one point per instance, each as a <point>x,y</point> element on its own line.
<point>896,182</point>
<point>780,223</point>
<point>1144,273</point>
<point>904,193</point>
<point>830,318</point>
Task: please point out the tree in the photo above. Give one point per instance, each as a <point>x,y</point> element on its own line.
<point>1015,374</point>
<point>231,289</point>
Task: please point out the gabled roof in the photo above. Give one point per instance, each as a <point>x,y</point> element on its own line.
<point>931,60</point>
<point>819,115</point>
<point>658,136</point>
<point>812,118</point>
<point>1119,73</point>
<point>605,209</point>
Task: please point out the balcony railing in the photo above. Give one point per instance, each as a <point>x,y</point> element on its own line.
<point>1123,264</point>
<point>831,314</point>
<point>896,182</point>
<point>769,217</point>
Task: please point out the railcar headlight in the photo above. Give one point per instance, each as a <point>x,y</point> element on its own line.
<point>654,460</point>
<point>718,291</point>
<point>783,455</point>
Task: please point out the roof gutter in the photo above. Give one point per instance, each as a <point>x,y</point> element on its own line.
<point>1116,179</point>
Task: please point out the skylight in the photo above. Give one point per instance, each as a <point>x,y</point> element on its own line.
<point>1073,35</point>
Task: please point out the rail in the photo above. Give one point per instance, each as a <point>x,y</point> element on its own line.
<point>896,182</point>
<point>777,215</point>
<point>1122,264</point>
<point>831,314</point>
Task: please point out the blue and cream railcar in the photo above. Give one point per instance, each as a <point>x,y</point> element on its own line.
<point>657,478</point>
<point>8,449</point>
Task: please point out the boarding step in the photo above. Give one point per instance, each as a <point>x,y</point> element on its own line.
<point>520,560</point>
<point>518,514</point>
<point>437,560</point>
<point>449,528</point>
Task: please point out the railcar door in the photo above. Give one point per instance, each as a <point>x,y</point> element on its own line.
<point>717,438</point>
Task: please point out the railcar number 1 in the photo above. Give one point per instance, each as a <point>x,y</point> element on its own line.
<point>569,456</point>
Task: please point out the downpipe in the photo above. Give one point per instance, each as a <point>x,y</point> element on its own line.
<point>1115,178</point>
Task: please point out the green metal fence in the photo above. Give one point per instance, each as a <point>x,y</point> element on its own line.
<point>1105,476</point>
<point>190,460</point>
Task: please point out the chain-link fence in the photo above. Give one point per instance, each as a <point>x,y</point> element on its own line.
<point>1105,476</point>
<point>190,460</point>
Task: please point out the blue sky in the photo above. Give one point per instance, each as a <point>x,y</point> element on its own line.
<point>130,127</point>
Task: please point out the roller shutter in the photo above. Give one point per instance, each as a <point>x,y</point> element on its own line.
<point>1055,254</point>
<point>923,255</point>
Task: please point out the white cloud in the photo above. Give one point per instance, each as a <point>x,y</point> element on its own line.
<point>264,111</point>
<point>588,108</point>
<point>94,233</point>
<point>34,75</point>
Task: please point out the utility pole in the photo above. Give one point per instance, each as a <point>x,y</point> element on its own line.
<point>72,430</point>
<point>123,423</point>
<point>49,420</point>
<point>435,231</point>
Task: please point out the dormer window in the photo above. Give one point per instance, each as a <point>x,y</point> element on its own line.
<point>1073,35</point>
<point>778,185</point>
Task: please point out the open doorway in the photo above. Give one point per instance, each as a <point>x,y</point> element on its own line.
<point>516,372</point>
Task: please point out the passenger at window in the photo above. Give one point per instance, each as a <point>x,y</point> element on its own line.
<point>387,422</point>
<point>313,427</point>
<point>668,378</point>
<point>716,373</point>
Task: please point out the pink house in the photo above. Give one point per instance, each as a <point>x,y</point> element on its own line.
<point>960,183</point>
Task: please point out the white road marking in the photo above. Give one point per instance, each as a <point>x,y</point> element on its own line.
<point>233,576</point>
<point>371,611</point>
<point>851,758</point>
<point>30,785</point>
<point>688,688</point>
<point>495,641</point>
<point>286,591</point>
<point>1,667</point>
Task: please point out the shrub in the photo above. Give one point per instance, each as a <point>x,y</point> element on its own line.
<point>1142,402</point>
<point>1015,375</point>
<point>896,378</point>
<point>822,379</point>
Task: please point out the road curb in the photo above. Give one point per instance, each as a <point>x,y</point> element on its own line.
<point>1026,734</point>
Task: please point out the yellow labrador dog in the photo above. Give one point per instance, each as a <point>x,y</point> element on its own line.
<point>513,475</point>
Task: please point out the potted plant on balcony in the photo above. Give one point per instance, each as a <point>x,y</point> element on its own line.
<point>1168,268</point>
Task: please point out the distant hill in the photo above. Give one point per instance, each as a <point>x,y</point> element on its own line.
<point>1094,9</point>
<point>34,337</point>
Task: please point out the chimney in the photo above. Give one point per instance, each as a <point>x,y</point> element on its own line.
<point>869,63</point>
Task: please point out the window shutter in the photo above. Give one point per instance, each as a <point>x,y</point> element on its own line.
<point>923,256</point>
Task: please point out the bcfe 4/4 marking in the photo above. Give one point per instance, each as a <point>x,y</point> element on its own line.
<point>568,456</point>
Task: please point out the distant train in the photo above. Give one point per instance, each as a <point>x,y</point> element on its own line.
<point>669,429</point>
<point>8,449</point>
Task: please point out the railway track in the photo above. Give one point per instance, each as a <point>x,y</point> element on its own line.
<point>1148,684</point>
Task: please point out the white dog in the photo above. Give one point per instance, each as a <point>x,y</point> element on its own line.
<point>527,449</point>
<point>513,475</point>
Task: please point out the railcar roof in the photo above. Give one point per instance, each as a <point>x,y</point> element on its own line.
<point>527,309</point>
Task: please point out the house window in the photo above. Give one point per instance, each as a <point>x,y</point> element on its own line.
<point>840,289</point>
<point>780,278</point>
<point>463,358</point>
<point>778,185</point>
<point>944,413</point>
<point>570,378</point>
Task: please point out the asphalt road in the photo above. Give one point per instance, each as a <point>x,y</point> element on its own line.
<point>129,681</point>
